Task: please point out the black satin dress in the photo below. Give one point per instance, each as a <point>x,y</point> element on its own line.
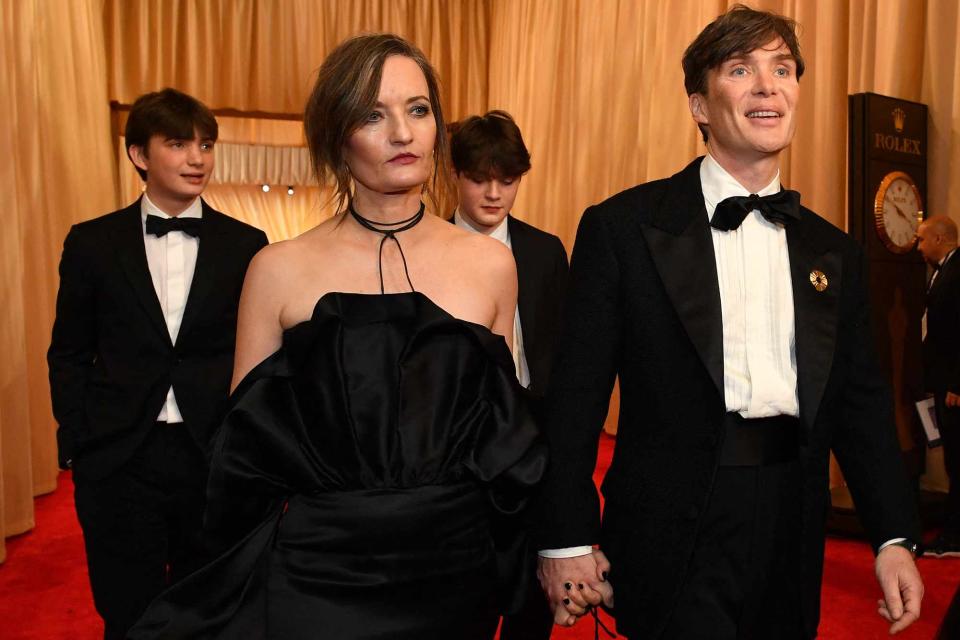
<point>368,482</point>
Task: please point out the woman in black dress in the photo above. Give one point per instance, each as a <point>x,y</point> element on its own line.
<point>371,476</point>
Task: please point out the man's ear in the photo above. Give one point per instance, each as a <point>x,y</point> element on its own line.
<point>138,156</point>
<point>698,108</point>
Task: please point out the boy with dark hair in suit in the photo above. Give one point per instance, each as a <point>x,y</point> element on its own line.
<point>141,358</point>
<point>737,322</point>
<point>489,159</point>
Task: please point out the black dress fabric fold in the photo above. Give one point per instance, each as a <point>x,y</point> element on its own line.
<point>369,481</point>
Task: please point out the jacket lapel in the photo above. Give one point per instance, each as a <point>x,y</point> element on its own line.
<point>679,240</point>
<point>521,254</point>
<point>133,259</point>
<point>206,273</point>
<point>814,311</point>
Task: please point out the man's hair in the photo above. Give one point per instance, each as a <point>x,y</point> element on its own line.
<point>738,31</point>
<point>169,113</point>
<point>345,93</point>
<point>488,146</point>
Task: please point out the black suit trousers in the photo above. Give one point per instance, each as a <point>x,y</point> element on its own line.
<point>142,524</point>
<point>743,582</point>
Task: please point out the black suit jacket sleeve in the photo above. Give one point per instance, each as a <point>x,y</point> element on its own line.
<point>864,440</point>
<point>73,346</point>
<point>580,387</point>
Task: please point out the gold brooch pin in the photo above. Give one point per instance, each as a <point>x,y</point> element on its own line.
<point>819,280</point>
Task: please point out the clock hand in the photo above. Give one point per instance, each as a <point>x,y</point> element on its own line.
<point>900,211</point>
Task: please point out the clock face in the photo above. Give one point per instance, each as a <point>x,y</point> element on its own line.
<point>898,212</point>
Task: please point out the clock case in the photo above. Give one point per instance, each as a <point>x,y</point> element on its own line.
<point>886,135</point>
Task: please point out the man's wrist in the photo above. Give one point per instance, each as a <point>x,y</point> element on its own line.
<point>906,543</point>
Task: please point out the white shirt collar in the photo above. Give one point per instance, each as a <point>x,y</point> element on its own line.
<point>718,185</point>
<point>147,207</point>
<point>501,233</point>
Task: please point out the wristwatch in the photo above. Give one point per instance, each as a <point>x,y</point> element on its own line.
<point>909,545</point>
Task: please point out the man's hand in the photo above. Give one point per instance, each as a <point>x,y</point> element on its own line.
<point>952,400</point>
<point>902,587</point>
<point>573,585</point>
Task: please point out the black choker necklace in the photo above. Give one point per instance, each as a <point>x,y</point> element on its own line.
<point>389,230</point>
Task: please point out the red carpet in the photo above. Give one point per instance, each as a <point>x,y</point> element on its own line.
<point>44,593</point>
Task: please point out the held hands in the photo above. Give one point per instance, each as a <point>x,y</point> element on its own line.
<point>902,587</point>
<point>574,585</point>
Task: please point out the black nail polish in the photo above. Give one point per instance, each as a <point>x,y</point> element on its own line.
<point>568,586</point>
<point>580,586</point>
<point>566,601</point>
<point>604,576</point>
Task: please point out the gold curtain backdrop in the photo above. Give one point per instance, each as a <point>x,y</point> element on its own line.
<point>58,168</point>
<point>595,85</point>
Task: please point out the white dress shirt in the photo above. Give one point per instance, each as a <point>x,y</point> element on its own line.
<point>172,260</point>
<point>756,302</point>
<point>502,233</point>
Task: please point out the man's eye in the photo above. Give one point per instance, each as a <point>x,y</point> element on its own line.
<point>739,71</point>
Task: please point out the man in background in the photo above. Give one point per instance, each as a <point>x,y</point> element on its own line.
<point>142,355</point>
<point>937,243</point>
<point>489,160</point>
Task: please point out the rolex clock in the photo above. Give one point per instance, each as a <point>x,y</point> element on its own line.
<point>887,200</point>
<point>898,211</point>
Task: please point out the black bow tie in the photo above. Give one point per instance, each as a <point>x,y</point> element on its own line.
<point>782,207</point>
<point>162,226</point>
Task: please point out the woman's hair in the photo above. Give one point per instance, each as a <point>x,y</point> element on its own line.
<point>488,146</point>
<point>346,92</point>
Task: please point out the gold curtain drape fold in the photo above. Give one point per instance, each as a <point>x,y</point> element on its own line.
<point>255,55</point>
<point>262,164</point>
<point>595,85</point>
<point>59,169</point>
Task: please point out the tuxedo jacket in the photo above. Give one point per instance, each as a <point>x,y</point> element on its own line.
<point>541,288</point>
<point>941,347</point>
<point>111,358</point>
<point>644,303</point>
<point>542,285</point>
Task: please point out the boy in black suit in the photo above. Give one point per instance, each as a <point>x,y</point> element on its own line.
<point>142,355</point>
<point>489,159</point>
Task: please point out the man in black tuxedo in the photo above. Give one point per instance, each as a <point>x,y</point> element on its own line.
<point>737,325</point>
<point>142,355</point>
<point>489,158</point>
<point>937,242</point>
